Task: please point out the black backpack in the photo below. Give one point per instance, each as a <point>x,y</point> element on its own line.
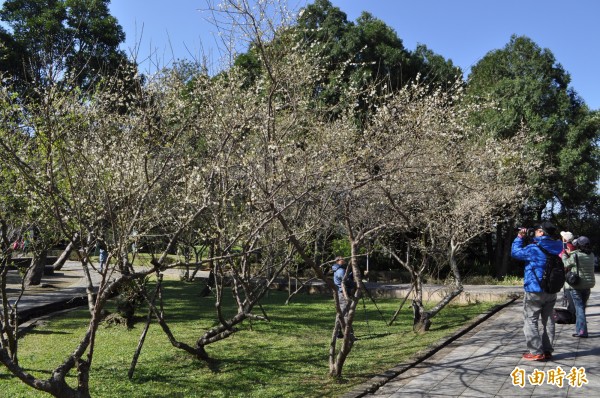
<point>562,316</point>
<point>553,278</point>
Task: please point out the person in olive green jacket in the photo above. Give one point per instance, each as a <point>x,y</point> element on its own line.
<point>581,261</point>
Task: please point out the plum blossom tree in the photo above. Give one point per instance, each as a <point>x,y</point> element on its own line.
<point>447,185</point>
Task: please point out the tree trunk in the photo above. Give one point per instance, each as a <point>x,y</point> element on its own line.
<point>507,245</point>
<point>210,283</point>
<point>58,264</point>
<point>425,318</point>
<point>421,321</point>
<point>503,245</point>
<point>336,363</point>
<point>36,269</point>
<point>138,350</point>
<point>9,332</point>
<point>490,252</point>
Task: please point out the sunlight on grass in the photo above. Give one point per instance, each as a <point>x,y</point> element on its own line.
<point>285,357</point>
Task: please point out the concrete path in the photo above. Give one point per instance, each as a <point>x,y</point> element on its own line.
<point>64,289</point>
<point>486,362</point>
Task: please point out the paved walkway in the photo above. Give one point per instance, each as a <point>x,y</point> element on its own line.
<point>481,363</point>
<point>62,290</point>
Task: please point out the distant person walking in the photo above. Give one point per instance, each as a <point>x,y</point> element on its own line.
<point>102,255</point>
<point>344,280</point>
<point>537,304</point>
<point>580,261</point>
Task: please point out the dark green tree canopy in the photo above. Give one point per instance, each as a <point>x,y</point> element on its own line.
<point>51,39</point>
<point>371,46</point>
<point>353,54</point>
<point>531,88</point>
<point>10,52</point>
<point>380,51</point>
<point>323,23</point>
<point>528,84</point>
<point>433,68</point>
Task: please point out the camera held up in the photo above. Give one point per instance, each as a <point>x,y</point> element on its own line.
<point>527,233</point>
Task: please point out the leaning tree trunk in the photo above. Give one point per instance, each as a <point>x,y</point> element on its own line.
<point>36,269</point>
<point>451,295</point>
<point>58,264</point>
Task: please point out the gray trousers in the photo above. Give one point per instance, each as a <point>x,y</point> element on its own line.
<point>538,306</point>
<point>345,307</point>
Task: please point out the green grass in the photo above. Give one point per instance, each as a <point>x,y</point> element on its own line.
<point>286,357</point>
<point>508,280</point>
<point>143,260</point>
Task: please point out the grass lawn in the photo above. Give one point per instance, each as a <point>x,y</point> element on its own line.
<point>286,357</point>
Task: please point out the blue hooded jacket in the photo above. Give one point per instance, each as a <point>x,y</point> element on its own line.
<point>535,259</point>
<point>339,271</point>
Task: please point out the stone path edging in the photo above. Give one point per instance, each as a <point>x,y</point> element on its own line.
<point>377,381</point>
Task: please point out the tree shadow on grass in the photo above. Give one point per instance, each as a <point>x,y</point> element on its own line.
<point>372,336</point>
<point>455,321</point>
<point>47,332</point>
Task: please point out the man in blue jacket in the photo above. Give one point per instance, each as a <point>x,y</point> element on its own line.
<point>536,302</point>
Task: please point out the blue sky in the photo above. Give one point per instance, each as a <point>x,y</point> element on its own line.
<point>461,30</point>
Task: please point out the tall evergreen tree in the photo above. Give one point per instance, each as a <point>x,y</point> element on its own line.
<point>532,89</point>
<point>368,50</point>
<point>10,53</point>
<point>52,39</point>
